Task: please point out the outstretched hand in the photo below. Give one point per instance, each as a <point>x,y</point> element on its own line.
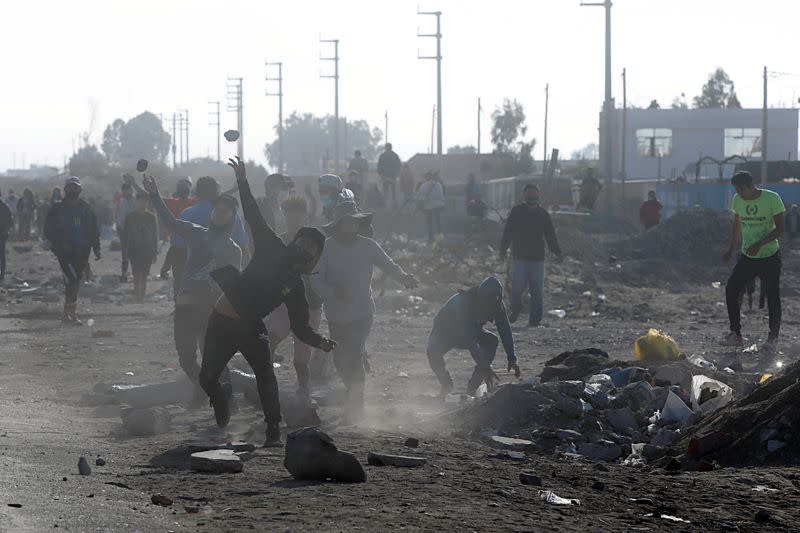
<point>513,366</point>
<point>238,168</point>
<point>327,345</point>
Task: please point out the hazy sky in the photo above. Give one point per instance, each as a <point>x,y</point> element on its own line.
<point>62,59</point>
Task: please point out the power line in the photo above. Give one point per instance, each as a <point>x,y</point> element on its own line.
<point>215,115</point>
<point>438,58</point>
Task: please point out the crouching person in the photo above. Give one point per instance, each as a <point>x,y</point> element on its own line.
<point>460,324</point>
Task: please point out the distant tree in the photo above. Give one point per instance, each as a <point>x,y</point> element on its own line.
<point>679,102</point>
<point>308,142</point>
<point>590,152</point>
<point>733,101</point>
<point>508,125</point>
<point>524,160</point>
<point>654,105</point>
<point>143,137</point>
<point>717,92</point>
<point>112,140</point>
<point>88,162</point>
<point>466,149</point>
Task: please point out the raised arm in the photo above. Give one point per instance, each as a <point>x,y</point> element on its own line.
<point>382,260</point>
<point>297,306</point>
<point>263,235</point>
<point>182,228</point>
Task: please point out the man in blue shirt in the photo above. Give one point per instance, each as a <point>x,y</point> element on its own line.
<point>459,324</point>
<point>206,191</point>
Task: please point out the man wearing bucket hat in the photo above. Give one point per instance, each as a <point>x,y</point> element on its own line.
<point>73,232</point>
<point>344,281</point>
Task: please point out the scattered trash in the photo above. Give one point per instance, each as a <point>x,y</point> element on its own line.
<point>100,461</point>
<point>656,346</point>
<point>83,467</point>
<point>669,517</point>
<point>709,394</point>
<point>753,348</point>
<point>551,497</point>
<point>702,362</point>
<point>558,313</point>
<point>716,284</point>
<point>90,322</point>
<point>160,499</point>
<point>764,488</point>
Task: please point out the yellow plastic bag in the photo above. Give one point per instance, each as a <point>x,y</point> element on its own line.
<point>656,346</point>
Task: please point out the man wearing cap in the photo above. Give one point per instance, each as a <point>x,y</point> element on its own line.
<point>273,277</point>
<point>182,199</point>
<point>344,281</point>
<point>460,324</point>
<point>72,230</point>
<point>274,186</point>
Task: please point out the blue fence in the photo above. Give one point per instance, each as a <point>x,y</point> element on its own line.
<point>677,196</point>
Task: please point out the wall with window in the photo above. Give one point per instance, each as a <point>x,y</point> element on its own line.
<point>666,143</point>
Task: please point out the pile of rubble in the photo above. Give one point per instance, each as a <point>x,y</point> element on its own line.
<point>697,234</point>
<point>585,404</point>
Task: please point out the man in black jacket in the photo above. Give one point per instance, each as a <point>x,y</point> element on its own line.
<point>6,227</point>
<point>526,230</point>
<point>73,232</point>
<point>273,277</point>
<point>389,167</point>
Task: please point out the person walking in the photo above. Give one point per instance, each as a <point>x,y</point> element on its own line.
<point>431,197</point>
<point>526,230</point>
<point>141,228</point>
<point>344,281</point>
<point>650,211</point>
<point>73,232</point>
<point>295,212</point>
<point>358,169</point>
<point>759,223</point>
<point>26,211</point>
<point>460,324</point>
<point>273,277</point>
<point>208,248</point>
<point>126,206</point>
<point>182,199</point>
<point>389,167</point>
<point>6,228</point>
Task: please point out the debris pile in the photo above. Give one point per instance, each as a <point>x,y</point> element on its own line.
<point>583,403</point>
<point>695,234</point>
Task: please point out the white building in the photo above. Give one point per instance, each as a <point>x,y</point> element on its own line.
<point>667,143</point>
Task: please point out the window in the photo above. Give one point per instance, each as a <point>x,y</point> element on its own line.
<point>745,142</point>
<point>654,142</point>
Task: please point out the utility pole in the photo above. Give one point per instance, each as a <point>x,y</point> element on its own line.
<point>335,79</point>
<point>174,132</point>
<point>279,94</point>
<point>623,173</point>
<point>179,133</point>
<point>438,58</point>
<point>764,134</point>
<point>478,148</point>
<point>433,121</point>
<point>386,126</point>
<point>214,120</point>
<point>546,109</point>
<point>608,106</point>
<point>235,106</point>
<point>186,131</point>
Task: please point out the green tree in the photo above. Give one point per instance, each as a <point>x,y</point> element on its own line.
<point>679,102</point>
<point>88,162</point>
<point>112,140</point>
<point>308,142</point>
<point>141,137</point>
<point>466,149</point>
<point>508,125</point>
<point>717,92</point>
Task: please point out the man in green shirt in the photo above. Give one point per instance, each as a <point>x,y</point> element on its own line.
<point>759,222</point>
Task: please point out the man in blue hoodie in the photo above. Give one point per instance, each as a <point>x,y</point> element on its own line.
<point>460,324</point>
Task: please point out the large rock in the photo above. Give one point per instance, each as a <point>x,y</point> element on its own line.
<point>146,422</point>
<point>600,451</point>
<point>622,420</point>
<point>312,455</point>
<point>216,462</point>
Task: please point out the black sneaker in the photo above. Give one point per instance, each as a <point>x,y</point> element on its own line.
<point>221,409</point>
<point>273,436</point>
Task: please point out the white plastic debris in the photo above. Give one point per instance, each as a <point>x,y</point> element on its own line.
<point>716,284</point>
<point>482,391</point>
<point>675,410</point>
<point>587,294</point>
<point>551,497</point>
<point>702,362</point>
<point>723,394</point>
<point>90,322</point>
<point>558,313</point>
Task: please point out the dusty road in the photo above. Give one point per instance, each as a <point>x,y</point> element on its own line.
<point>46,369</point>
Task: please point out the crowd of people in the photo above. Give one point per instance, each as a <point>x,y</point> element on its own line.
<point>247,287</point>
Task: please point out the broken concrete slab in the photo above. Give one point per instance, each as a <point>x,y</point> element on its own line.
<point>380,459</point>
<point>311,455</point>
<point>141,396</point>
<point>216,462</point>
<point>508,454</point>
<point>510,443</point>
<point>570,435</point>
<point>623,420</point>
<point>146,422</point>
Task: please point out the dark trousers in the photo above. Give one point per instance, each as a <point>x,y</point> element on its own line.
<point>349,356</point>
<point>189,328</point>
<point>73,267</point>
<point>440,342</point>
<point>2,258</point>
<point>224,337</point>
<point>746,270</point>
<point>123,242</point>
<point>433,219</point>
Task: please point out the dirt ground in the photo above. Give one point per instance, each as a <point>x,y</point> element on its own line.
<point>46,369</point>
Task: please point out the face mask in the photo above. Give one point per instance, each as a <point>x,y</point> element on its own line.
<point>531,201</point>
<point>326,201</point>
<point>72,195</point>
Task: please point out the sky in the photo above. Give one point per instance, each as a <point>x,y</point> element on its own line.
<point>73,67</point>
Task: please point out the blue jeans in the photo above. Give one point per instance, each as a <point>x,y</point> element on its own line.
<point>527,275</point>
